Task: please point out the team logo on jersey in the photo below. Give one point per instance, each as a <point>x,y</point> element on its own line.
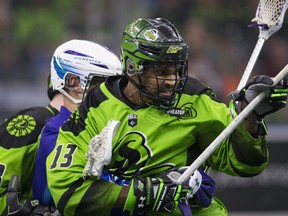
<point>21,125</point>
<point>132,120</point>
<point>132,154</point>
<point>185,111</point>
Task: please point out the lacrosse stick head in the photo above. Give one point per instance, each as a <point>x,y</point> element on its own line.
<point>269,16</point>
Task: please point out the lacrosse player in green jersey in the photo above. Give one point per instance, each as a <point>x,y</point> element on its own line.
<point>18,146</point>
<point>147,125</point>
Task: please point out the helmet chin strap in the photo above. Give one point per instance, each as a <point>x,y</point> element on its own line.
<point>76,101</point>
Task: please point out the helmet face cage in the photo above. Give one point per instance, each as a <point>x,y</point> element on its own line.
<point>179,80</point>
<point>87,82</point>
<point>154,43</point>
<point>92,81</point>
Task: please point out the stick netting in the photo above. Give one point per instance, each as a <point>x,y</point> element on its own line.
<point>271,12</point>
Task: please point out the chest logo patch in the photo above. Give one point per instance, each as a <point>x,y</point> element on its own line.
<point>132,120</point>
<point>21,125</point>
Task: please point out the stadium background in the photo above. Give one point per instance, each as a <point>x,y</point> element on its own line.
<point>220,46</point>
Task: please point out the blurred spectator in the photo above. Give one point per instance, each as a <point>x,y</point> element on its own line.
<point>201,65</point>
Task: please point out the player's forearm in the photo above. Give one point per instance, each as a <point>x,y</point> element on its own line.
<point>122,197</point>
<point>251,123</point>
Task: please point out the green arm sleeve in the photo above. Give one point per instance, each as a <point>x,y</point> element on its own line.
<point>240,154</point>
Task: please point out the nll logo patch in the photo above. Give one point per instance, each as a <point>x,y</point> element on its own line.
<point>132,120</point>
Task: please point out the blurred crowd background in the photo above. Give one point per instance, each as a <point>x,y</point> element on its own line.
<point>216,30</point>
<point>220,42</point>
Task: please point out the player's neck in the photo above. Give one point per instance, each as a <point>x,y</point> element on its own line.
<point>132,94</point>
<point>69,104</point>
<point>57,101</point>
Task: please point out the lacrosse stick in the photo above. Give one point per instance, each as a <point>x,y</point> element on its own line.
<point>269,18</point>
<point>230,128</point>
<point>100,150</point>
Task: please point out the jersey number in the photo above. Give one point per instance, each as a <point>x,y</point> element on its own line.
<point>67,156</point>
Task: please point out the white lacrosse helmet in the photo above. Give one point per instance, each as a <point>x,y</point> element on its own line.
<point>84,59</point>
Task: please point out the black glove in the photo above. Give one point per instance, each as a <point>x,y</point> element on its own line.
<point>160,194</point>
<point>276,95</point>
<point>29,207</point>
<point>14,206</point>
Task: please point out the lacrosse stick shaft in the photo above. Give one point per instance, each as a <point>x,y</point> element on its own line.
<point>251,63</point>
<point>269,17</point>
<point>229,129</point>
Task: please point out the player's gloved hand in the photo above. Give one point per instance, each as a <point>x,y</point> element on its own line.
<point>160,194</point>
<point>29,207</point>
<point>276,95</point>
<point>14,206</point>
<point>203,196</point>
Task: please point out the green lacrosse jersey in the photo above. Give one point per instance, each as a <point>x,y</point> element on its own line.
<point>18,146</point>
<point>148,142</point>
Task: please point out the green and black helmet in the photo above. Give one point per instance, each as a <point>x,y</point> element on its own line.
<point>149,41</point>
